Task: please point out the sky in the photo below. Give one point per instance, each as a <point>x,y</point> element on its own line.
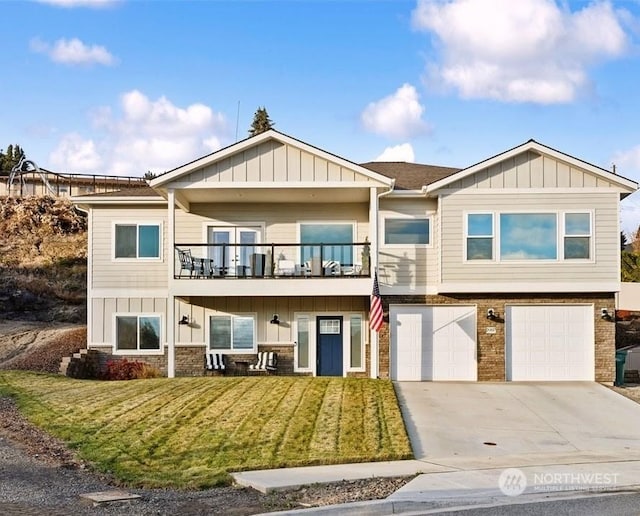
<point>128,86</point>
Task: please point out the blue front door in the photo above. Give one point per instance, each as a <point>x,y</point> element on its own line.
<point>329,346</point>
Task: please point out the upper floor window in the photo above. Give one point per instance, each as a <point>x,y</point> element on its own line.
<point>480,236</point>
<point>333,233</point>
<point>137,241</point>
<point>577,236</point>
<point>137,333</point>
<point>232,333</point>
<point>529,236</point>
<point>404,231</point>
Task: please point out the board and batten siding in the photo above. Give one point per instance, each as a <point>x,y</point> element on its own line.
<point>280,219</point>
<point>603,268</point>
<point>410,268</point>
<point>104,309</point>
<point>200,308</point>
<point>109,273</point>
<point>531,170</point>
<point>273,161</point>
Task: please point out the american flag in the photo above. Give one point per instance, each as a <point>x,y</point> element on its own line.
<point>375,315</point>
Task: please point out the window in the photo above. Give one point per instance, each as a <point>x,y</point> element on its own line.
<point>137,241</point>
<point>329,233</point>
<point>137,333</point>
<point>356,348</point>
<point>303,342</point>
<point>480,236</point>
<point>233,333</point>
<point>577,236</point>
<point>528,236</point>
<point>406,231</point>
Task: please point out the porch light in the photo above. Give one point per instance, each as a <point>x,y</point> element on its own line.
<point>184,320</point>
<point>492,314</point>
<point>605,314</point>
<point>275,319</point>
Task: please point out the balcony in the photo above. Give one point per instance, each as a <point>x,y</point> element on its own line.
<point>272,261</point>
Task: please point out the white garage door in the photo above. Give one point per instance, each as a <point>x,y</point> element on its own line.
<point>550,342</point>
<point>433,343</point>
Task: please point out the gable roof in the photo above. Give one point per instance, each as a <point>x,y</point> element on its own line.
<point>252,141</point>
<point>536,147</point>
<point>410,176</point>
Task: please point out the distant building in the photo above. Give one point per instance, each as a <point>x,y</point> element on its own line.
<point>63,185</point>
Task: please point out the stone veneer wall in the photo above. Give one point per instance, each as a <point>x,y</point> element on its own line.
<point>491,347</point>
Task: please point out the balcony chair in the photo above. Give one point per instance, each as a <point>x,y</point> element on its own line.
<point>286,268</point>
<point>186,262</point>
<point>267,363</point>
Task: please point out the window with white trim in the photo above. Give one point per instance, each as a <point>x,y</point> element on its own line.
<point>137,241</point>
<point>137,332</point>
<point>356,348</point>
<point>303,342</point>
<point>232,332</point>
<point>480,236</point>
<point>577,236</point>
<point>407,231</point>
<point>528,236</point>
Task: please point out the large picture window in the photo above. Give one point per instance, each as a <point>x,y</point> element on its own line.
<point>232,333</point>
<point>552,236</point>
<point>137,333</point>
<point>402,231</point>
<point>137,241</point>
<point>528,236</point>
<point>327,233</point>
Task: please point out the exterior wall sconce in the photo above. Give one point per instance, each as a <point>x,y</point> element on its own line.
<point>605,314</point>
<point>184,320</point>
<point>492,315</point>
<point>275,319</point>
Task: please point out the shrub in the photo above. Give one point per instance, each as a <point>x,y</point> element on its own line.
<point>130,370</point>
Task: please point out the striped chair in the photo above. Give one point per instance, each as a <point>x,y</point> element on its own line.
<point>214,362</point>
<point>267,363</point>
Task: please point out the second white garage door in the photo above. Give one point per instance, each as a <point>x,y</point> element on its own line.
<point>433,343</point>
<point>550,342</point>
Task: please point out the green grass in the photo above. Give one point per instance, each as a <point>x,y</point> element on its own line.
<point>191,432</point>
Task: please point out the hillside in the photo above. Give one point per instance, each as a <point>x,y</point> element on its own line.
<point>43,248</point>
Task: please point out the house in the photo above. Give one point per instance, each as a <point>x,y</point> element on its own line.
<point>505,270</point>
<point>46,182</point>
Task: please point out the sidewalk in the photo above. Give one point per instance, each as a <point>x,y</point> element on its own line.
<point>469,481</point>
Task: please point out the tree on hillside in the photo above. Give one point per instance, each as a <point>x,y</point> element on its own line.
<point>11,157</point>
<point>623,241</point>
<point>261,122</point>
<point>630,266</point>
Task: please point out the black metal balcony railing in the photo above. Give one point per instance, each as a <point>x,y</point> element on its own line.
<point>323,260</point>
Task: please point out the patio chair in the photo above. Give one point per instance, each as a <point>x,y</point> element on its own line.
<point>214,362</point>
<point>286,268</point>
<point>331,268</point>
<point>186,261</point>
<point>267,363</point>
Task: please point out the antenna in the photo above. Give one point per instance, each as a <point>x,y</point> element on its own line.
<point>613,166</point>
<point>237,120</point>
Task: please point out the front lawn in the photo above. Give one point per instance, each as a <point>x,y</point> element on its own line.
<point>190,432</point>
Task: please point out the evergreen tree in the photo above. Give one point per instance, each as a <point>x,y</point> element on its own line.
<point>11,157</point>
<point>623,241</point>
<point>261,122</point>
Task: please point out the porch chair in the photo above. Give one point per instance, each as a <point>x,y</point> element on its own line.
<point>186,261</point>
<point>267,363</point>
<point>286,268</point>
<point>331,268</point>
<point>214,362</point>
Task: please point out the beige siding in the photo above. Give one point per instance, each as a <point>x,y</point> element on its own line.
<point>411,267</point>
<point>530,170</point>
<point>200,309</point>
<point>103,311</point>
<point>607,238</point>
<point>109,273</point>
<point>280,220</point>
<point>273,162</point>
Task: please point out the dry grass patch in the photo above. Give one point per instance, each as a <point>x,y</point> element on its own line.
<point>191,432</point>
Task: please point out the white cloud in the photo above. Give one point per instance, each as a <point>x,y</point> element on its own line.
<point>73,52</point>
<point>146,134</point>
<point>76,154</point>
<point>80,3</point>
<point>396,116</point>
<point>402,152</point>
<point>519,51</point>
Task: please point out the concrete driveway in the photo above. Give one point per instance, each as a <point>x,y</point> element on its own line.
<point>479,425</point>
